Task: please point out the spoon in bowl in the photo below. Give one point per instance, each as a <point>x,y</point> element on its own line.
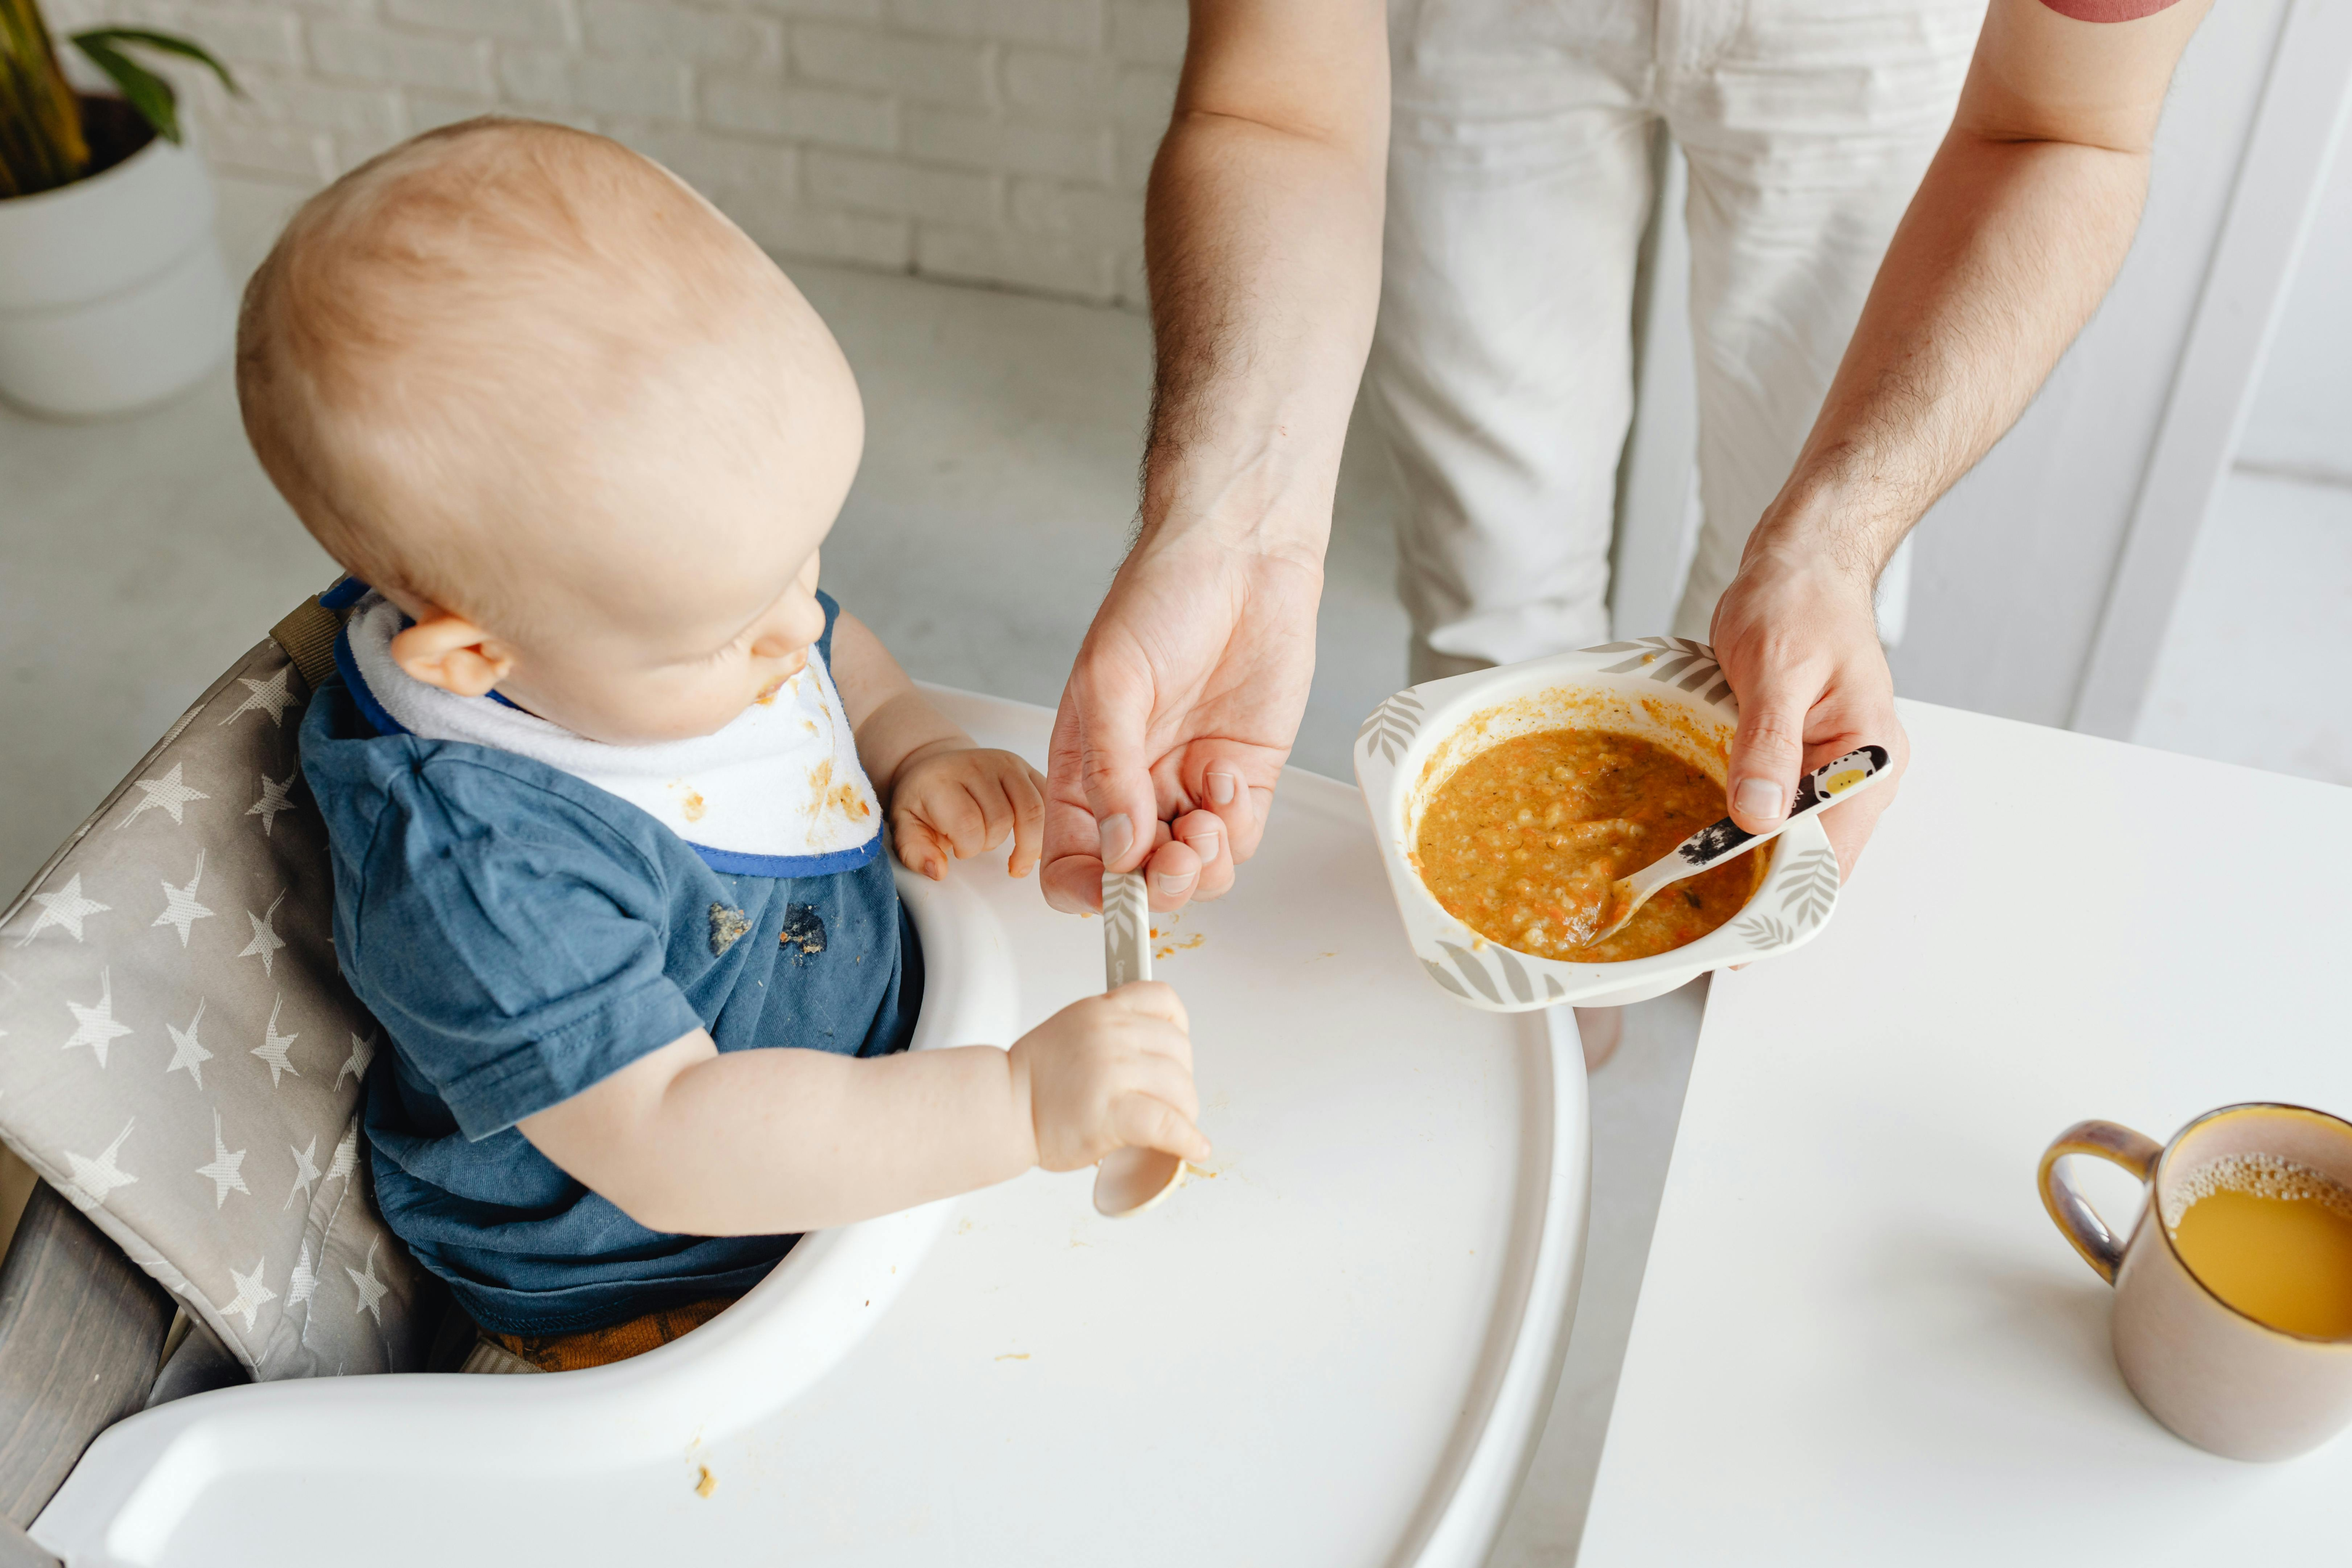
<point>1128,1181</point>
<point>1713,845</point>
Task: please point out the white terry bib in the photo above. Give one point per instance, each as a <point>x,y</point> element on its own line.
<point>777,793</point>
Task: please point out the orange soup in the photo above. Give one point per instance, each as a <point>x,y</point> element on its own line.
<point>1522,842</point>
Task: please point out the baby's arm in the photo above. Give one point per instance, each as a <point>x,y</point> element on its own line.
<point>896,725</point>
<point>945,797</point>
<point>769,1143</point>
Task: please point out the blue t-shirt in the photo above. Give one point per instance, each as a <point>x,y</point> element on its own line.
<point>522,934</point>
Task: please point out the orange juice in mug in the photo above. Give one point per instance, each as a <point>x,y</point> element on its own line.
<point>2272,1239</point>
<point>2233,1294</point>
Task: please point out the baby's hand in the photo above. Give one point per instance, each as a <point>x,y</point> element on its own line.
<point>1111,1072</point>
<point>961,803</point>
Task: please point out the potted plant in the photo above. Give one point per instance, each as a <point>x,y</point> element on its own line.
<point>112,292</point>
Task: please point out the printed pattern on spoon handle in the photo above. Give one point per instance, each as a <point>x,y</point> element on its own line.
<point>1130,1181</point>
<point>1831,781</point>
<point>1126,928</point>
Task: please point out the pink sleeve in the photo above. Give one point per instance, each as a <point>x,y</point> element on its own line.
<point>2109,10</point>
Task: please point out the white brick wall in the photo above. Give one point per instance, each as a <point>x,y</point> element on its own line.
<point>1001,141</point>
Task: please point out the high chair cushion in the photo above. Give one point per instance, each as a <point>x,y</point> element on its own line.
<point>179,1055</point>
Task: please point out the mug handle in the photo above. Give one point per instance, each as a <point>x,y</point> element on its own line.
<point>2070,1211</point>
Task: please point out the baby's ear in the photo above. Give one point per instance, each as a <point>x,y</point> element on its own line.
<point>452,653</point>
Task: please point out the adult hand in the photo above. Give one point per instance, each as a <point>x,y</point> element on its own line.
<point>1178,716</point>
<point>1799,641</point>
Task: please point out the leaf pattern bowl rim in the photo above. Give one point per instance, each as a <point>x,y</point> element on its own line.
<point>1791,908</point>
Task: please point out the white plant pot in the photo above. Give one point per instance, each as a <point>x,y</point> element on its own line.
<point>112,292</point>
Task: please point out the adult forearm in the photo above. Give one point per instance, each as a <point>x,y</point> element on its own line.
<point>1262,236</point>
<point>2013,236</point>
<point>1263,245</point>
<point>776,1142</point>
<point>2005,252</point>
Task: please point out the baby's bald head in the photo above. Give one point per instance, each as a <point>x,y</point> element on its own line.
<point>519,372</point>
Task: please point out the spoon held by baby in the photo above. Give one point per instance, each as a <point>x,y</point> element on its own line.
<point>1713,845</point>
<point>1128,1181</point>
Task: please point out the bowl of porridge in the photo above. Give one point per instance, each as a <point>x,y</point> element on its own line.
<point>1507,802</point>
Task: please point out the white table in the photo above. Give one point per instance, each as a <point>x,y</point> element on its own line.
<point>1860,1339</point>
<point>1337,1349</point>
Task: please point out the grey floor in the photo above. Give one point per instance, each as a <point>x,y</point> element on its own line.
<point>138,557</point>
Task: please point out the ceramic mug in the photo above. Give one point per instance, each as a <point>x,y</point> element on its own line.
<point>2219,1378</point>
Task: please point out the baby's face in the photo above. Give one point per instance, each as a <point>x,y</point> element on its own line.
<point>616,682</point>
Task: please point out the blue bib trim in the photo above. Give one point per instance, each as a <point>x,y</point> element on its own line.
<point>728,863</point>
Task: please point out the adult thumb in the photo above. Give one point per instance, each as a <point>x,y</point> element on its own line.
<point>1767,749</point>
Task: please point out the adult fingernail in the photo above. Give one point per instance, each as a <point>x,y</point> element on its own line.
<point>1759,798</point>
<point>1117,835</point>
<point>1221,789</point>
<point>1170,883</point>
<point>1204,843</point>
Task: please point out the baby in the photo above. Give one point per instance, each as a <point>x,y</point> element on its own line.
<point>605,776</point>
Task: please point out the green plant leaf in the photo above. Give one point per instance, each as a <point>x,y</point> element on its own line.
<point>168,43</point>
<point>146,92</point>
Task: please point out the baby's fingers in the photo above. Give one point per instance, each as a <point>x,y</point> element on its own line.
<point>959,819</point>
<point>919,849</point>
<point>990,818</point>
<point>1025,792</point>
<point>1153,999</point>
<point>1163,1074</point>
<point>1140,1121</point>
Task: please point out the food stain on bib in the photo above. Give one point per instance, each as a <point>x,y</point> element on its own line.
<point>841,797</point>
<point>767,698</point>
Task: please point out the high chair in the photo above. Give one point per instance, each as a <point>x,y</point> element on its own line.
<point>1335,1343</point>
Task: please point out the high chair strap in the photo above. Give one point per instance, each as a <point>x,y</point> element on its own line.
<point>307,635</point>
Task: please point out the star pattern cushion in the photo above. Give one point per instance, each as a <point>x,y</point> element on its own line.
<point>179,1057</point>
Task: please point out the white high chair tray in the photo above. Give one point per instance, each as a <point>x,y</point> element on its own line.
<point>1337,1346</point>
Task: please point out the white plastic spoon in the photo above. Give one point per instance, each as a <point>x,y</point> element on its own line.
<point>1128,1181</point>
<point>1712,845</point>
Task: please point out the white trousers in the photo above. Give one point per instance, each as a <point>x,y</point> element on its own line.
<point>1520,180</point>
